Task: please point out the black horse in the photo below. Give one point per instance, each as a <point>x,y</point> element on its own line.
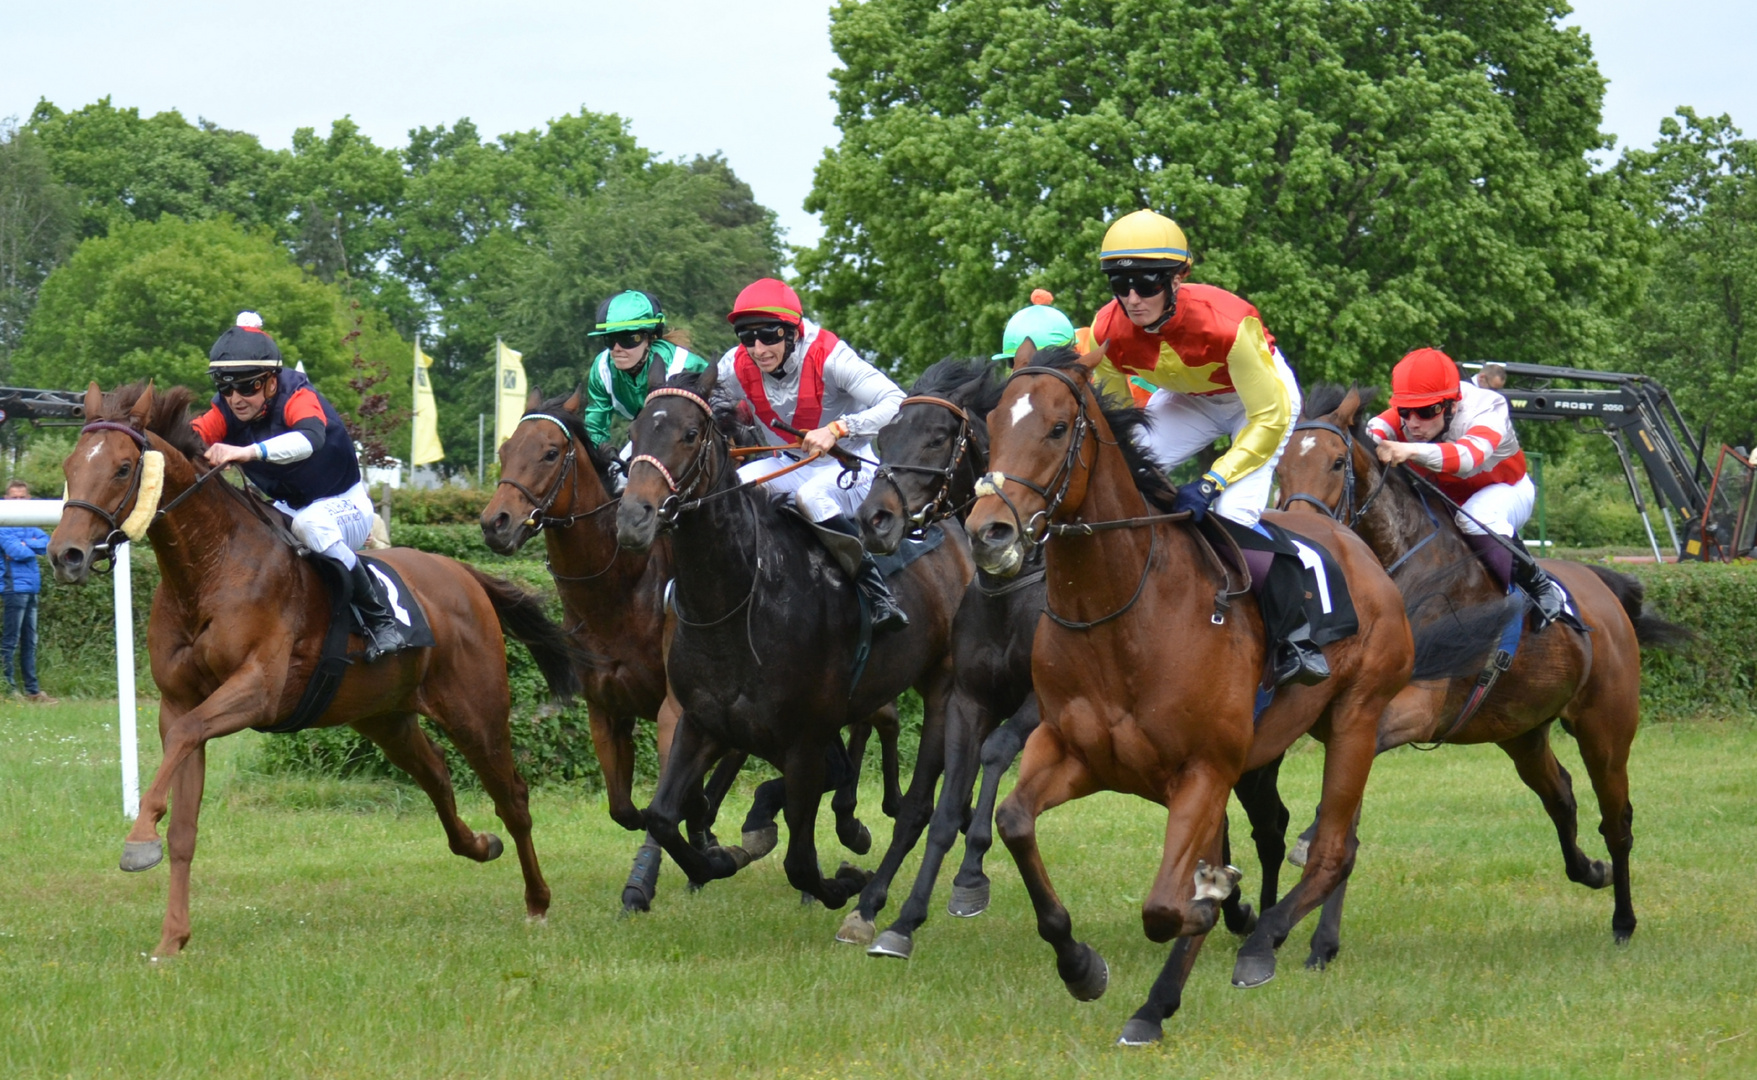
<point>765,659</point>
<point>932,455</point>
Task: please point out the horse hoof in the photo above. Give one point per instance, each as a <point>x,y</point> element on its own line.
<point>1139,1032</point>
<point>857,838</point>
<point>892,944</point>
<point>138,855</point>
<point>537,920</point>
<point>495,847</point>
<point>968,902</point>
<point>1599,875</point>
<point>1246,920</point>
<point>1320,959</point>
<point>856,929</point>
<point>760,843</point>
<point>806,899</point>
<point>1296,855</point>
<point>635,902</point>
<point>1092,985</point>
<point>1253,969</point>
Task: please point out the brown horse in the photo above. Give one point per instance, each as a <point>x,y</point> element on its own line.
<point>1147,681</point>
<point>238,622</point>
<point>1592,682</point>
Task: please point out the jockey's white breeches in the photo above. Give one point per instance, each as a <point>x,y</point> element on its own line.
<point>1504,508</point>
<point>1183,425</point>
<point>336,526</point>
<point>815,488</point>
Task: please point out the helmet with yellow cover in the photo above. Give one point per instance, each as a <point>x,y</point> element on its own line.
<point>1144,240</point>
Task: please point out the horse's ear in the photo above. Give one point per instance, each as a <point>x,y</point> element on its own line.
<point>1027,353</point>
<point>1350,406</point>
<point>143,408</point>
<point>534,400</point>
<point>94,403</point>
<point>572,404</point>
<point>710,377</point>
<point>1089,359</point>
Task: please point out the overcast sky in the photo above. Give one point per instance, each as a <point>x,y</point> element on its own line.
<point>692,76</point>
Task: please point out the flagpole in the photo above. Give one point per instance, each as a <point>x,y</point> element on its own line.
<point>414,407</point>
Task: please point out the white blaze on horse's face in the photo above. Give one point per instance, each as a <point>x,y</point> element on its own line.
<point>1306,444</point>
<point>93,452</point>
<point>1021,408</point>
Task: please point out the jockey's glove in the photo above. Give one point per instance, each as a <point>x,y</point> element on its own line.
<point>1197,496</point>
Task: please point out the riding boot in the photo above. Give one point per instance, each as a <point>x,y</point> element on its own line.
<point>1542,588</point>
<point>1494,555</point>
<point>1297,660</point>
<point>886,615</point>
<point>381,633</point>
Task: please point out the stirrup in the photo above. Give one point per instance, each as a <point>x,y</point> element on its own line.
<point>1299,662</point>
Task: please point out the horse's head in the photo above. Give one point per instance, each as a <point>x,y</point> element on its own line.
<point>1329,457</point>
<point>110,497</point>
<point>674,457</point>
<point>540,473</point>
<point>1036,470</point>
<point>931,452</point>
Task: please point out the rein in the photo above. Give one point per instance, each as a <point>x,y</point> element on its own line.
<point>1344,508</point>
<point>938,506</point>
<point>539,517</point>
<point>146,514</point>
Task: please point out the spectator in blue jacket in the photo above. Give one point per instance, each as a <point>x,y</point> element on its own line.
<point>21,545</point>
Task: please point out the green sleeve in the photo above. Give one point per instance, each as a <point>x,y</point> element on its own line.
<point>696,364</point>
<point>598,405</point>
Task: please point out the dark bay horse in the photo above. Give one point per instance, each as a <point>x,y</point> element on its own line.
<point>1147,679</point>
<point>554,481</point>
<point>763,660</point>
<point>932,455</point>
<point>1591,682</point>
<point>238,623</point>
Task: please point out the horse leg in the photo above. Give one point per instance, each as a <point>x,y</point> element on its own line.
<point>485,741</point>
<point>1147,1025</point>
<point>693,752</point>
<point>760,833</point>
<point>409,749</point>
<point>1049,777</point>
<point>186,789</point>
<point>970,886</point>
<point>1327,938</point>
<point>720,784</point>
<point>643,877</point>
<point>885,721</point>
<point>912,814</point>
<point>844,776</point>
<point>805,770</point>
<point>613,739</point>
<point>966,717</point>
<point>1605,750</point>
<point>1192,880</point>
<point>1544,775</point>
<point>1260,796</point>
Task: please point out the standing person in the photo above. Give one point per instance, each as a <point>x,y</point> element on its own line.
<point>795,372</point>
<point>22,544</point>
<point>632,325</point>
<point>1216,373</point>
<point>293,445</point>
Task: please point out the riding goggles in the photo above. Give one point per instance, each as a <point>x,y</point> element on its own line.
<point>228,387</point>
<point>1425,412</point>
<point>768,334</point>
<point>1143,283</point>
<point>628,341</point>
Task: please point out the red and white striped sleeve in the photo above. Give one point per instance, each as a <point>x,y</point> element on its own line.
<point>1466,455</point>
<point>1386,426</point>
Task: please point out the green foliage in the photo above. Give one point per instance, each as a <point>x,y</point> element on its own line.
<point>1717,677</point>
<point>446,505</point>
<point>149,299</point>
<point>1373,176</point>
<point>1587,500</point>
<point>36,230</point>
<point>1698,189</point>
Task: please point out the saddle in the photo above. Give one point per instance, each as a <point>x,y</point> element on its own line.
<point>1305,585</point>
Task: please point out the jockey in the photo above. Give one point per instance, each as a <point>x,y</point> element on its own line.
<point>794,372</point>
<point>293,445</point>
<point>1046,326</point>
<point>1216,373</point>
<point>1460,435</point>
<point>634,325</point>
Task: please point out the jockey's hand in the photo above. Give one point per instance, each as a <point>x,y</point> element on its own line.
<point>823,440</point>
<point>1197,496</point>
<point>225,453</point>
<point>1396,453</point>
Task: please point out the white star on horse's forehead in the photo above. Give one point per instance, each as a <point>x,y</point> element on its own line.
<point>1021,408</point>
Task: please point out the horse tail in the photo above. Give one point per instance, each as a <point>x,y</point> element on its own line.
<point>521,615</point>
<point>1650,630</point>
<point>1455,642</point>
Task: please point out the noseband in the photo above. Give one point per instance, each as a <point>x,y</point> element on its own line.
<point>1037,530</point>
<point>696,473</point>
<point>938,506</point>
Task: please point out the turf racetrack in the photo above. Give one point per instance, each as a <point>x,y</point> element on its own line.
<point>335,936</point>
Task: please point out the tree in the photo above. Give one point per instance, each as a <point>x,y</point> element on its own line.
<point>1373,176</point>
<point>149,299</point>
<point>1698,189</point>
<point>36,230</point>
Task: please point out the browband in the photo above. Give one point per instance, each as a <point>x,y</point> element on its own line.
<point>111,425</point>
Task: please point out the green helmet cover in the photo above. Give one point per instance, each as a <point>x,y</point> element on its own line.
<point>631,310</point>
<point>1044,325</point>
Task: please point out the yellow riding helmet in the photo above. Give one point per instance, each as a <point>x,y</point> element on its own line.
<point>1144,239</point>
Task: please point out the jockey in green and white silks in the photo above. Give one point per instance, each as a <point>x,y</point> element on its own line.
<point>633,324</point>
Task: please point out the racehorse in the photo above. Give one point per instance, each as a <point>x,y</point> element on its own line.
<point>554,480</point>
<point>238,624</point>
<point>931,457</point>
<point>1591,682</point>
<point>1147,667</point>
<point>766,656</point>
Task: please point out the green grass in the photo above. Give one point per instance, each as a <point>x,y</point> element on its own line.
<point>334,936</point>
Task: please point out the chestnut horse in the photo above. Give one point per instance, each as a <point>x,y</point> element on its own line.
<point>238,623</point>
<point>1591,682</point>
<point>1147,680</point>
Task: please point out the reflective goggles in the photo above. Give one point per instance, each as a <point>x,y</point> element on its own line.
<point>627,341</point>
<point>1426,412</point>
<point>247,387</point>
<point>767,334</point>
<point>1143,283</point>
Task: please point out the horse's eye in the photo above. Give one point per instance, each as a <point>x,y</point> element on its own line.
<point>123,470</point>
<point>937,440</point>
<point>552,454</point>
<point>1060,429</point>
<point>691,435</point>
<point>1338,466</point>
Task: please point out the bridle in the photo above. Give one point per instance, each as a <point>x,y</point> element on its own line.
<point>539,517</point>
<point>697,471</point>
<point>1345,510</point>
<point>939,505</point>
<point>1039,528</point>
<point>134,524</point>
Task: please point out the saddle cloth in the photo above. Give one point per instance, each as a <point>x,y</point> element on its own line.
<point>1305,584</point>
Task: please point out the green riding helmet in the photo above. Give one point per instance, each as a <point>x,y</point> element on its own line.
<point>1046,326</point>
<point>629,312</point>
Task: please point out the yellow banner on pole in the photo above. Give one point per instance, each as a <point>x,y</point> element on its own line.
<point>509,391</point>
<point>424,447</point>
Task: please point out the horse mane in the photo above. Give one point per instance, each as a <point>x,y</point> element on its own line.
<point>1323,399</point>
<point>976,384</point>
<point>169,419</point>
<point>1125,421</point>
<point>602,461</point>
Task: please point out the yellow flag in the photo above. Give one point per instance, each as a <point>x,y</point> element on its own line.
<point>425,448</point>
<point>509,391</point>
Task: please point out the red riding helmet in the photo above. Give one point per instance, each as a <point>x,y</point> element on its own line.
<point>1422,378</point>
<point>768,298</point>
